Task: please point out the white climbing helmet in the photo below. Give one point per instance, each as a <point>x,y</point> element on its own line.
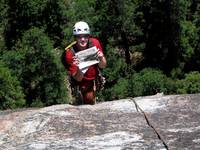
<point>81,27</point>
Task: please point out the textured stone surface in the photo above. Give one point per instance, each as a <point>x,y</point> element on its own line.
<point>115,125</point>
<point>177,119</point>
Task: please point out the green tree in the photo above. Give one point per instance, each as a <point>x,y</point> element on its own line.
<point>160,33</point>
<point>24,14</point>
<point>112,20</point>
<point>120,89</point>
<point>115,70</point>
<point>11,94</point>
<point>190,84</point>
<point>148,82</point>
<point>134,35</point>
<point>185,14</point>
<point>74,11</point>
<point>191,37</point>
<point>119,37</point>
<point>39,69</point>
<point>3,23</point>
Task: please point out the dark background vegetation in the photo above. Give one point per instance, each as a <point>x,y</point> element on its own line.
<point>151,46</point>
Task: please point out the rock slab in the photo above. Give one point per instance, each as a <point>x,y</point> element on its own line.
<point>115,125</point>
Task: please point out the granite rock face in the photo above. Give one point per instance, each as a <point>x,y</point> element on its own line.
<point>154,122</point>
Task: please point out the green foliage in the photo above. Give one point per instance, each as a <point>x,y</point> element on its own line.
<point>112,23</point>
<point>24,14</point>
<point>73,11</point>
<point>134,34</point>
<point>188,38</point>
<point>116,65</point>
<point>119,90</point>
<point>3,23</point>
<point>160,34</point>
<point>114,72</point>
<point>31,8</point>
<point>148,82</point>
<point>188,41</point>
<point>38,67</point>
<point>11,95</point>
<point>190,84</point>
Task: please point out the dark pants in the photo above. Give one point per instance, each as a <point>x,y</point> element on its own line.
<point>87,90</point>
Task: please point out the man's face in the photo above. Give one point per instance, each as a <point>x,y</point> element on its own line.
<point>82,40</point>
